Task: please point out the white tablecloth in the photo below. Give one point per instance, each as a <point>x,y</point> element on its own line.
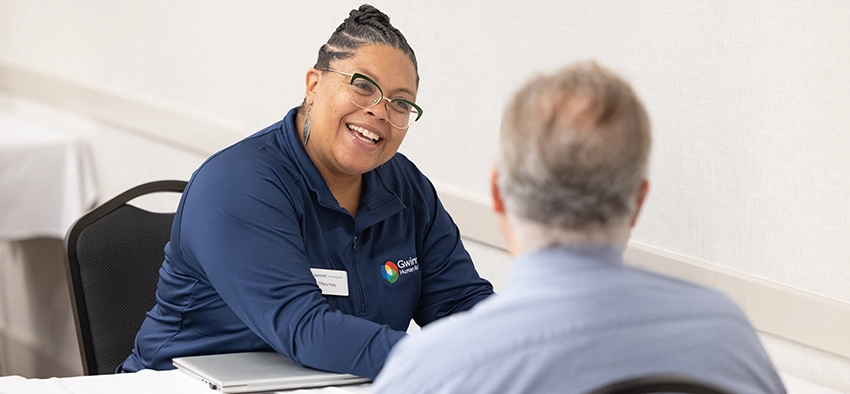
<point>176,382</point>
<point>47,178</point>
<point>143,382</point>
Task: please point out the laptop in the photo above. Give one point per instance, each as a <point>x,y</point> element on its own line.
<point>258,371</point>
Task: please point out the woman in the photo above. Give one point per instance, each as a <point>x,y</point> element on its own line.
<point>313,237</point>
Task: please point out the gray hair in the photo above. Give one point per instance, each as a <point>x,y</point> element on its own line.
<point>574,149</point>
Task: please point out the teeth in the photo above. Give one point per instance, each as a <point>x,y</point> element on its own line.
<point>366,133</point>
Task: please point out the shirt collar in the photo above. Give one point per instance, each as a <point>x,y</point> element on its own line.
<point>561,261</point>
<point>312,178</point>
<point>377,201</point>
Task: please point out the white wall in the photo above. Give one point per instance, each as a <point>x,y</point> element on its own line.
<point>748,98</point>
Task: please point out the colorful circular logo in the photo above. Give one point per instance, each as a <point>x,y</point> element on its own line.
<point>390,272</point>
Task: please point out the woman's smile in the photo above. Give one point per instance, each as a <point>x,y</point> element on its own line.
<point>365,134</point>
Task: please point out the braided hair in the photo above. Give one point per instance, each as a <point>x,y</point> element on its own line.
<point>364,26</point>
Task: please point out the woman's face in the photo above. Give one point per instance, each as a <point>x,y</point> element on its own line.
<point>347,140</point>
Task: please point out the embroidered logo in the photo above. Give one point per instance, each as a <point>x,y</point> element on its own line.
<point>390,271</point>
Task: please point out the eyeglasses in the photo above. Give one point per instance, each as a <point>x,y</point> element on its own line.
<point>365,93</point>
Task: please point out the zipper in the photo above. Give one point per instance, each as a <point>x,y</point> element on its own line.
<point>363,309</point>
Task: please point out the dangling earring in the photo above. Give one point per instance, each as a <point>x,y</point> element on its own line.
<point>307,126</point>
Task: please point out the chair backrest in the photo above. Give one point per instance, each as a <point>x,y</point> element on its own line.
<point>659,384</point>
<point>113,255</point>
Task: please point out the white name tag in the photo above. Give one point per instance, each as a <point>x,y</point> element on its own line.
<point>332,282</point>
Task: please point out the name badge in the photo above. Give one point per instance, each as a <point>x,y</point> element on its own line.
<point>332,282</point>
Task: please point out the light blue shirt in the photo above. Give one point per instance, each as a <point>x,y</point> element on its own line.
<point>573,319</point>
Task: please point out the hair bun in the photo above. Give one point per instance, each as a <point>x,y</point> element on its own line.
<point>364,26</point>
<point>366,14</point>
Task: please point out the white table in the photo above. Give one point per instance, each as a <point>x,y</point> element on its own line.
<point>176,382</point>
<point>47,178</point>
<point>143,382</point>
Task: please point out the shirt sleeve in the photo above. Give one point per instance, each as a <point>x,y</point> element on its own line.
<point>421,364</point>
<point>241,229</point>
<point>450,282</point>
<point>403,372</point>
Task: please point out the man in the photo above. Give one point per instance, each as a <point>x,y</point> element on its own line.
<point>569,183</point>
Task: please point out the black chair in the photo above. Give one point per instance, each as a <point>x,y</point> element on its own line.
<point>113,255</point>
<point>659,384</point>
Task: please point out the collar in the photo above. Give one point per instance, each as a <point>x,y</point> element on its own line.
<point>377,200</point>
<point>562,261</point>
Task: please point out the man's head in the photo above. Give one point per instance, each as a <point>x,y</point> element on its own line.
<point>573,158</point>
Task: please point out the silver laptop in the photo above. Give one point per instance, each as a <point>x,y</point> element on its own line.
<point>258,371</point>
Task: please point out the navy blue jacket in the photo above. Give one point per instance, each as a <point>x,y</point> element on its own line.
<point>257,216</point>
